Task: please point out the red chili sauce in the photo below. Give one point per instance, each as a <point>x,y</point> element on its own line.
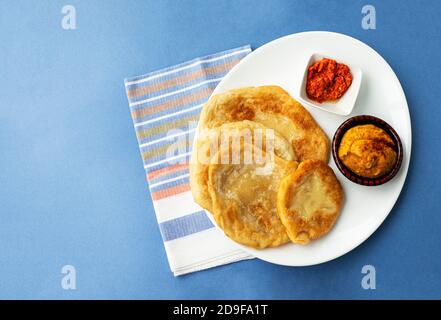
<point>327,80</point>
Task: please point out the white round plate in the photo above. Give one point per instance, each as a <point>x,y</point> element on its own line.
<point>282,62</point>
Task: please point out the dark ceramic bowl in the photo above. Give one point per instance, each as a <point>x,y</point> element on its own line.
<point>360,120</point>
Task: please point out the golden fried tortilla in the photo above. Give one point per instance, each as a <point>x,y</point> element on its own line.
<point>309,201</point>
<point>244,196</point>
<point>276,109</point>
<point>208,144</point>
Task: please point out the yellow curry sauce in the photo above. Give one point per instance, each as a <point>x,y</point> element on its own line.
<point>367,151</point>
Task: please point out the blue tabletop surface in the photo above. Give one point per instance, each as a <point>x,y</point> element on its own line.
<point>72,185</point>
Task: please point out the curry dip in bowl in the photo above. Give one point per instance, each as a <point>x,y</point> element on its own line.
<point>367,150</point>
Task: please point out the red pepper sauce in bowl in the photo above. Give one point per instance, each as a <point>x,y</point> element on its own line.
<point>327,80</point>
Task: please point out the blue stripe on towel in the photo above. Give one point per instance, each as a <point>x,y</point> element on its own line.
<point>184,226</point>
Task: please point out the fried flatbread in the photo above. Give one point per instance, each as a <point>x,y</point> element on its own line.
<point>276,109</point>
<point>244,195</point>
<point>309,201</point>
<point>209,141</point>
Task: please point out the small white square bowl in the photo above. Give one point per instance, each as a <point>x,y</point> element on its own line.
<point>345,104</point>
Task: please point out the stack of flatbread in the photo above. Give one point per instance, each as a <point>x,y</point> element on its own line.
<point>259,165</point>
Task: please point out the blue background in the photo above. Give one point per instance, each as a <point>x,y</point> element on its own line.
<point>72,185</point>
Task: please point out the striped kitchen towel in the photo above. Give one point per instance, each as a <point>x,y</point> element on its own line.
<point>165,107</point>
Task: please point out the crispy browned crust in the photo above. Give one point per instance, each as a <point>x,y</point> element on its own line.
<point>259,103</point>
<point>301,227</point>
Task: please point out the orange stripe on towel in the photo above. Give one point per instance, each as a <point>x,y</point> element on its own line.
<point>167,170</point>
<point>157,86</point>
<point>174,103</point>
<point>170,191</point>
